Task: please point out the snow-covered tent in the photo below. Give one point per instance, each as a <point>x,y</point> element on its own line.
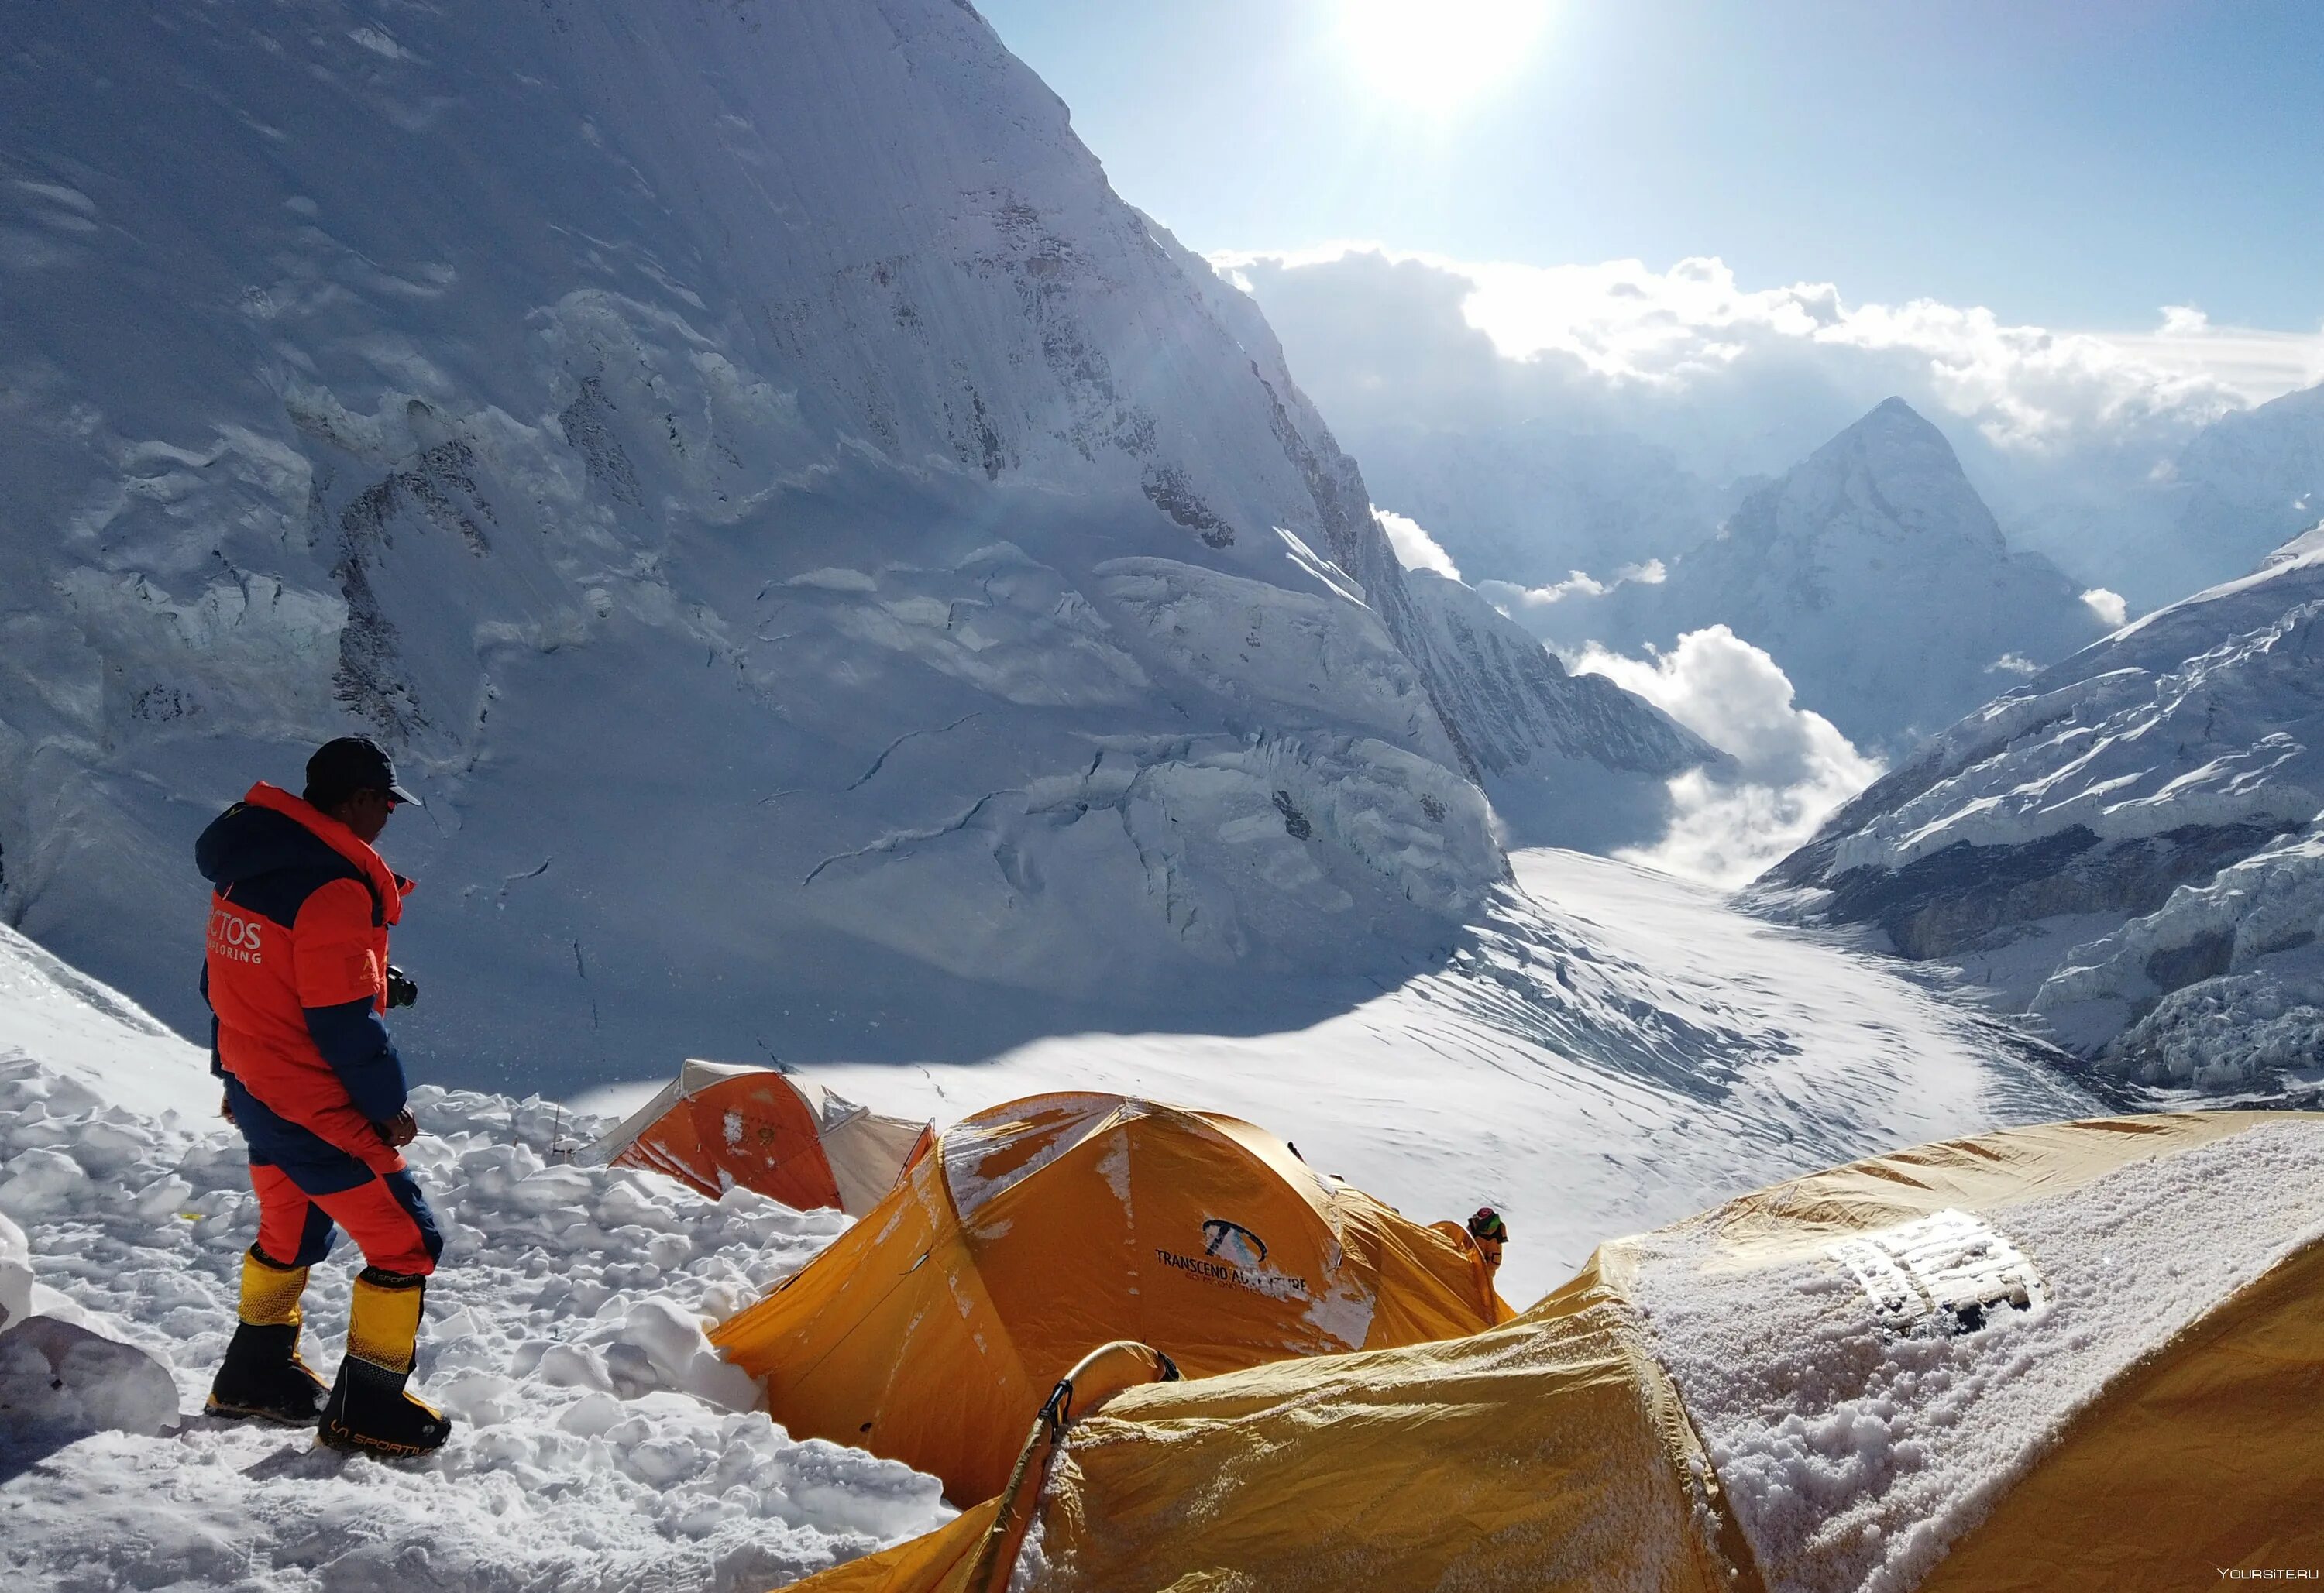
<point>2082,1356</point>
<point>719,1125</point>
<point>932,1330</point>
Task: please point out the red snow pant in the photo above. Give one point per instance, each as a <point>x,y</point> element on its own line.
<point>387,1218</point>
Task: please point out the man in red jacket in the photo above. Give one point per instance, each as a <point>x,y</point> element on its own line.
<point>298,977</point>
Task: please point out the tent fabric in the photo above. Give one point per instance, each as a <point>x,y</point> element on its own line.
<point>932,1330</point>
<point>1613,1435</point>
<point>2210,1457</point>
<point>719,1125</point>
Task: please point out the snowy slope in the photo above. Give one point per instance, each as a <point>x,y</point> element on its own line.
<point>2127,845</point>
<point>601,1445</point>
<point>1874,576</point>
<point>842,580</point>
<point>1684,1053</point>
<point>1615,1049</point>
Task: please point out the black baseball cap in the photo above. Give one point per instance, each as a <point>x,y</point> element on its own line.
<point>340,769</point>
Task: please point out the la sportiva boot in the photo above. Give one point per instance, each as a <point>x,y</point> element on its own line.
<point>263,1376</point>
<point>369,1411</point>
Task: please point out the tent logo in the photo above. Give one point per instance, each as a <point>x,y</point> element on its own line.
<point>1232,1243</point>
<point>1948,1270</point>
<point>1233,1254</point>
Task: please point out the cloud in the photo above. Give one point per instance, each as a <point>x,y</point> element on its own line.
<point>2108,606</point>
<point>1792,767</point>
<point>1416,549</point>
<point>1691,358</point>
<point>1510,599</point>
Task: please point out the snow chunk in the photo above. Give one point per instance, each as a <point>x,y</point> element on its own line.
<point>15,1273</point>
<point>59,1379</point>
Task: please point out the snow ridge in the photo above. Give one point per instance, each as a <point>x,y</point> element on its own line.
<point>600,1442</point>
<point>2127,845</point>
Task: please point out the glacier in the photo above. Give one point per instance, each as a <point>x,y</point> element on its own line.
<point>844,582</point>
<point>2125,848</point>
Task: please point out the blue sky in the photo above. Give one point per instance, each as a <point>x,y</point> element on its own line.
<point>2073,165</point>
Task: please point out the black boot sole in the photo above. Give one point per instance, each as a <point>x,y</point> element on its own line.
<point>234,1413</point>
<point>378,1448</point>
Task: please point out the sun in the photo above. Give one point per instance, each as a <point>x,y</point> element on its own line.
<point>1437,54</point>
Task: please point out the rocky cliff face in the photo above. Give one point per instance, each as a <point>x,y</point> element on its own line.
<point>2126,847</point>
<point>842,576</point>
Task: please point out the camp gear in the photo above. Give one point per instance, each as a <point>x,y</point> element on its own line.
<point>369,1410</point>
<point>263,1375</point>
<point>717,1125</point>
<point>2134,1407</point>
<point>932,1330</point>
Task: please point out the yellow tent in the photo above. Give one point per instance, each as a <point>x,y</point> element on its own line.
<point>2083,1355</point>
<point>933,1329</point>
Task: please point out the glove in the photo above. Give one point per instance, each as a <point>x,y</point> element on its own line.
<point>402,991</point>
<point>398,1130</point>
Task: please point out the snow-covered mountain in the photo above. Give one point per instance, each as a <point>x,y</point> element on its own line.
<point>2247,481</point>
<point>1531,503</point>
<point>843,579</point>
<point>2128,844</point>
<point>1874,576</point>
<point>2155,523</point>
<point>1568,759</point>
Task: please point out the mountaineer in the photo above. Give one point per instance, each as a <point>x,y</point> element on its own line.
<point>297,977</point>
<point>1490,1233</point>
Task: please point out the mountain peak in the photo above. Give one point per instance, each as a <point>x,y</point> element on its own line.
<point>1877,579</point>
<point>1893,429</point>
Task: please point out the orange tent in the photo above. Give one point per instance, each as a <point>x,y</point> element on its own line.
<point>2083,1355</point>
<point>716,1126</point>
<point>932,1330</point>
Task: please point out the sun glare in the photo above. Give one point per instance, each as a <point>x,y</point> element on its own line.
<point>1436,54</point>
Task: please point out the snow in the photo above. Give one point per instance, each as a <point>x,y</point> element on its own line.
<point>1855,1454</point>
<point>2162,786</point>
<point>60,1380</point>
<point>601,1444</point>
<point>1634,1056</point>
<point>15,1273</point>
<point>851,590</point>
<point>1568,759</point>
<point>1611,1049</point>
<point>765,412</point>
<point>1416,549</point>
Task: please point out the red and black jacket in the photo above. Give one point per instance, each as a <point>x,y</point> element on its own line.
<point>296,974</point>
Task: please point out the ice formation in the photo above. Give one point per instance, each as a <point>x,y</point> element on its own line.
<point>2126,845</point>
